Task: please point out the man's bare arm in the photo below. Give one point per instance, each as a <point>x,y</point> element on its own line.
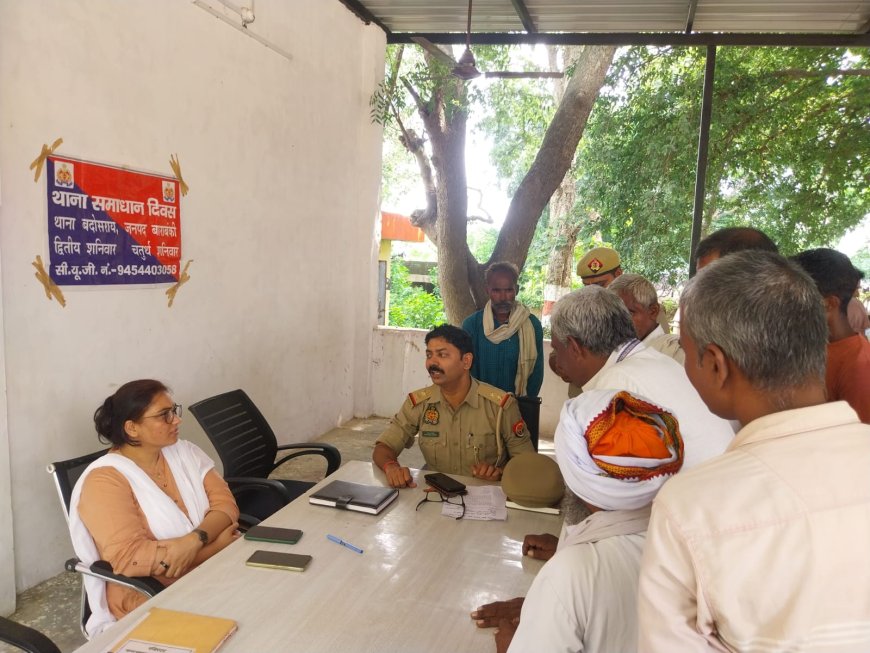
<point>386,459</point>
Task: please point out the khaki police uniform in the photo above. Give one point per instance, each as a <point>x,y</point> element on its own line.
<point>454,440</point>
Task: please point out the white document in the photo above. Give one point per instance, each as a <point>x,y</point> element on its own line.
<point>483,502</point>
<point>138,646</point>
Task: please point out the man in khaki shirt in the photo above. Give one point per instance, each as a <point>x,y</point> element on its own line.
<point>465,427</point>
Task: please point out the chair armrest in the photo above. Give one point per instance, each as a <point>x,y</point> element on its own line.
<point>332,455</point>
<point>103,570</point>
<point>246,522</point>
<point>25,638</point>
<point>267,485</point>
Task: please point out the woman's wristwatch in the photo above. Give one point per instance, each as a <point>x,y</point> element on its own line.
<point>202,535</point>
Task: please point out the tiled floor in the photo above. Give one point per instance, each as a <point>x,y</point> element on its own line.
<point>53,606</point>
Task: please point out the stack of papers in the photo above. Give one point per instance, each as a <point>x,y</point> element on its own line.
<point>483,502</point>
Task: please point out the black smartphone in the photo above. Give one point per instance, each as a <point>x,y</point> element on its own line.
<point>272,534</point>
<point>279,560</point>
<point>444,484</point>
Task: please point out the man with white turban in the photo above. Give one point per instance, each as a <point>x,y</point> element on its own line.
<point>596,347</point>
<point>615,451</point>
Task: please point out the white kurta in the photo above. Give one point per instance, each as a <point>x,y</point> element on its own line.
<point>584,599</point>
<point>666,343</point>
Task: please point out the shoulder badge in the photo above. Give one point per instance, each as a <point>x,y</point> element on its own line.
<point>419,396</point>
<point>519,428</point>
<point>494,394</point>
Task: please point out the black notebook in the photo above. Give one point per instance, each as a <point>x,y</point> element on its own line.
<point>355,496</point>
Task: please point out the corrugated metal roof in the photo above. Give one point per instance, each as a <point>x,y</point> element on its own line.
<point>431,17</point>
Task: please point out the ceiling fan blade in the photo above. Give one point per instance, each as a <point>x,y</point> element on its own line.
<point>466,68</point>
<point>506,74</point>
<point>434,50</point>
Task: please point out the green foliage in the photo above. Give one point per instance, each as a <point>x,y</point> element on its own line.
<point>481,241</point>
<point>430,78</point>
<point>411,306</point>
<point>516,115</point>
<point>531,283</point>
<point>400,176</point>
<point>539,250</point>
<point>861,260</point>
<point>788,150</point>
<point>669,306</point>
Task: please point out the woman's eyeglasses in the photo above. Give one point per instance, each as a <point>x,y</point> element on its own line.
<point>169,414</point>
<point>443,498</point>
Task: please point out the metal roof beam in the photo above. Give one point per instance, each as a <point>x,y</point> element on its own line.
<point>525,16</point>
<point>637,38</point>
<point>361,12</point>
<point>703,151</point>
<point>690,19</point>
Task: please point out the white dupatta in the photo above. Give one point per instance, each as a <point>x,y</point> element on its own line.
<point>188,465</point>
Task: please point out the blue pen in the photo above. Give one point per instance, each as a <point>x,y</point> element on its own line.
<point>338,540</point>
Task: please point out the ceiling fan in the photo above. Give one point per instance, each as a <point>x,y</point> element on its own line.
<point>466,67</point>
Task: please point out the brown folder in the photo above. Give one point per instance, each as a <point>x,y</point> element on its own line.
<point>183,630</point>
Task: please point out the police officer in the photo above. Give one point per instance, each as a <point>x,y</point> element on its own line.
<point>599,266</point>
<point>465,427</point>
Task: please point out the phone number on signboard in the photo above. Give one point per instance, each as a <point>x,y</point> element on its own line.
<point>143,270</point>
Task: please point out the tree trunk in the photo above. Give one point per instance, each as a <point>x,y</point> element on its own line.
<point>555,156</point>
<point>564,226</point>
<point>563,234</point>
<point>445,219</point>
<point>454,258</point>
<point>444,116</point>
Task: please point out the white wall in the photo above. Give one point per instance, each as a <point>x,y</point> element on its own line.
<point>284,169</point>
<point>398,368</point>
<point>398,357</point>
<point>7,552</point>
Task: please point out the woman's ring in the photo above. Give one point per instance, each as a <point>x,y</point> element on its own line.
<point>164,565</point>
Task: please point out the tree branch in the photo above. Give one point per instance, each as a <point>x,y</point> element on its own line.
<point>421,106</point>
<point>555,155</point>
<point>394,72</point>
<point>836,72</point>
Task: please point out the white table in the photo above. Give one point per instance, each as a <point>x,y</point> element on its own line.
<point>412,590</point>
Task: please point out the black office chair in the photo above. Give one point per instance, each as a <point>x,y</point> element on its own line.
<point>65,474</point>
<point>530,410</point>
<point>25,638</point>
<point>247,447</point>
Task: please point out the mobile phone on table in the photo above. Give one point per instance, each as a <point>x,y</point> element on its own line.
<point>272,534</point>
<point>279,560</point>
<point>444,484</point>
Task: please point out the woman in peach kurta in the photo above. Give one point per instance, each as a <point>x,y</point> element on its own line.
<point>141,422</point>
